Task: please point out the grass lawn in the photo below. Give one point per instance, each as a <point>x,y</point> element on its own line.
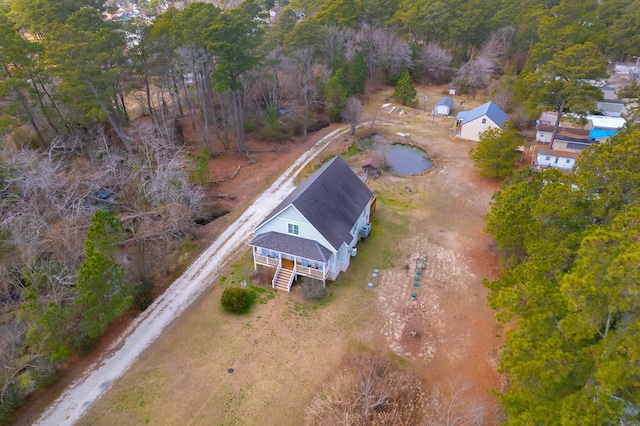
<point>286,349</point>
<point>281,352</point>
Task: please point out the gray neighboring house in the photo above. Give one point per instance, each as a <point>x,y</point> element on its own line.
<point>610,105</point>
<point>313,232</point>
<point>443,106</point>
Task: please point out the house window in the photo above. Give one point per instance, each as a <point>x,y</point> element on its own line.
<point>484,121</point>
<point>547,158</point>
<point>293,229</point>
<point>568,161</point>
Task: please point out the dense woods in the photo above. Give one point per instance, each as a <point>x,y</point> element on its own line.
<point>571,257</point>
<point>98,185</point>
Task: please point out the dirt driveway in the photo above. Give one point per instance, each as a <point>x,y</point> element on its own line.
<point>209,367</point>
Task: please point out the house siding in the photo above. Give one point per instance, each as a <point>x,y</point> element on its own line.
<point>543,136</point>
<point>362,220</point>
<point>344,257</point>
<point>280,223</point>
<point>473,129</point>
<point>442,110</point>
<point>443,106</point>
<point>555,161</point>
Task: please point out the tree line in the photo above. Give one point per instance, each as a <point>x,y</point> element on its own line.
<point>569,288</point>
<point>92,200</point>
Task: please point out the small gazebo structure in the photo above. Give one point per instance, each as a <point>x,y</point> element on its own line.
<point>370,167</point>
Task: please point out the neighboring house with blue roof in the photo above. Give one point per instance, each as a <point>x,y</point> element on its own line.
<point>313,232</point>
<point>470,124</point>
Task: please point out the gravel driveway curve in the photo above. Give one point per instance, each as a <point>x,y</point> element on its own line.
<point>69,407</point>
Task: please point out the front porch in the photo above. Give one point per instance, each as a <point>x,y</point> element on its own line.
<point>288,266</point>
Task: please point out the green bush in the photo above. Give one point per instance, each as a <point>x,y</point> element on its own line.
<point>236,300</point>
<point>250,126</point>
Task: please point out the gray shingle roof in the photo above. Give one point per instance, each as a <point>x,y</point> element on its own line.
<point>290,244</point>
<point>331,199</point>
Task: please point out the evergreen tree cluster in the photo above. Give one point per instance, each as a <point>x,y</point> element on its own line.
<point>570,252</point>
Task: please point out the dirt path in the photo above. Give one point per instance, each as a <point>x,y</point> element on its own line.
<point>77,399</point>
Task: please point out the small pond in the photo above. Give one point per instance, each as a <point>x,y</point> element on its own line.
<point>400,159</point>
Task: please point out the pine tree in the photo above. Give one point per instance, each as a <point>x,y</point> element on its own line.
<point>405,92</point>
<point>496,152</point>
<point>103,293</point>
<point>336,95</point>
<point>357,71</point>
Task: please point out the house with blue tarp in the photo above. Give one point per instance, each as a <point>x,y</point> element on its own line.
<point>574,136</point>
<point>602,127</point>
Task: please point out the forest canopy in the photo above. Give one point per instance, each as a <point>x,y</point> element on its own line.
<point>571,272</point>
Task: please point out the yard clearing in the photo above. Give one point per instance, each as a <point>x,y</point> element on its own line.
<point>210,367</point>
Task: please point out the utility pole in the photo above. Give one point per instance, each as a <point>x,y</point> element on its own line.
<point>424,105</point>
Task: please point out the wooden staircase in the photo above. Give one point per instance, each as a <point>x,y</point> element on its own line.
<point>284,279</point>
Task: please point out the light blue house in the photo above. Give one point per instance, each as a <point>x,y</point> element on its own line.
<point>313,232</point>
<point>443,106</point>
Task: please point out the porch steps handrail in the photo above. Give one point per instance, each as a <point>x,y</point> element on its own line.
<point>290,283</point>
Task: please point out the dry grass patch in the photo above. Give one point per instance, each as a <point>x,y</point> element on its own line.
<point>287,348</point>
<point>280,353</point>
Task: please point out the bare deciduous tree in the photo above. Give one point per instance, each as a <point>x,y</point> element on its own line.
<point>300,68</point>
<point>454,407</point>
<point>369,390</point>
<point>475,74</point>
<point>336,44</point>
<point>501,95</point>
<point>436,63</point>
<point>265,79</point>
<point>382,50</point>
<point>352,113</point>
<point>498,45</point>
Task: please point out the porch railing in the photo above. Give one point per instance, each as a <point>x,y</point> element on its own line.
<point>267,261</point>
<point>293,276</point>
<point>312,272</point>
<point>319,273</point>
